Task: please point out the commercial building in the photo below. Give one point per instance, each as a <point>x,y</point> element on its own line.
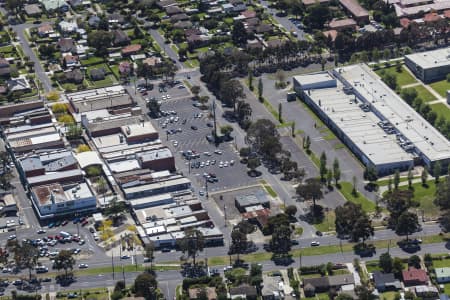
<point>412,132</point>
<point>157,160</point>
<point>355,125</point>
<point>104,98</point>
<point>416,8</point>
<point>258,199</point>
<point>59,200</point>
<point>430,65</point>
<point>155,188</point>
<point>314,81</point>
<point>360,14</point>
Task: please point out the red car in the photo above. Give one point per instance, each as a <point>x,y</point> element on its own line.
<point>75,239</point>
<point>50,237</point>
<point>64,223</point>
<point>58,237</point>
<point>84,222</point>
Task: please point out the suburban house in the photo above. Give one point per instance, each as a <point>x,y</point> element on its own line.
<point>70,61</point>
<point>45,30</point>
<point>19,84</point>
<point>66,45</point>
<point>52,5</point>
<point>5,69</point>
<point>32,10</point>
<point>173,10</point>
<point>74,76</point>
<point>97,74</point>
<point>210,293</point>
<point>131,49</point>
<point>244,291</point>
<point>442,275</point>
<point>120,38</point>
<point>116,19</point>
<point>124,68</point>
<point>311,286</point>
<point>68,27</point>
<point>414,276</point>
<point>385,282</point>
<point>93,21</point>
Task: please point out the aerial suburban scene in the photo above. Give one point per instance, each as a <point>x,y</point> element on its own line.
<point>224,149</point>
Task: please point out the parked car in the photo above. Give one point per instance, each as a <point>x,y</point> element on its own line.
<point>83,266</point>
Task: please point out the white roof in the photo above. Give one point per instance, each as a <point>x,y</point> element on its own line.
<point>124,165</point>
<point>361,127</point>
<point>88,158</point>
<point>414,127</point>
<point>431,59</point>
<point>313,78</point>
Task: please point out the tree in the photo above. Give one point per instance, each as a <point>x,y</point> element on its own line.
<point>424,176</point>
<point>437,171</point>
<point>364,293</point>
<point>442,195</point>
<point>409,95</point>
<point>260,89</point>
<point>385,262</point>
<point>64,261</point>
<point>307,145</point>
<point>354,190</point>
<point>397,202</point>
<point>231,91</point>
<point>396,179</point>
<point>407,224</point>
<point>280,76</point>
<point>238,242</point>
<point>336,171</point>
<point>250,79</point>
<point>329,177</point>
<point>192,243</point>
<point>150,253</point>
<point>351,220</point>
<point>245,152</point>
<point>195,89</point>
<point>145,285</point>
<point>203,100</point>
<point>26,256</point>
<point>280,112</point>
<point>444,221</point>
<point>390,80</point>
<point>154,107</point>
<point>410,178</point>
<point>310,189</point>
<point>253,163</point>
<point>226,130</point>
<point>100,40</point>
<point>323,166</point>
<point>115,209</point>
<point>414,261</point>
<point>318,15</point>
<point>291,210</point>
<point>239,34</point>
<point>281,240</point>
<point>146,71</point>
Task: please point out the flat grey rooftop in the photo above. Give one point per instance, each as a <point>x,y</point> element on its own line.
<point>413,126</point>
<point>431,59</point>
<point>361,127</point>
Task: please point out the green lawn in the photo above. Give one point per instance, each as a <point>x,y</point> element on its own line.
<point>447,288</point>
<point>269,189</point>
<point>384,182</point>
<point>425,196</point>
<point>403,77</point>
<point>6,49</point>
<point>92,61</point>
<point>423,93</point>
<point>441,263</point>
<point>366,204</point>
<point>372,266</point>
<point>441,110</point>
<point>192,63</point>
<point>441,87</point>
<point>328,222</point>
<point>388,296</point>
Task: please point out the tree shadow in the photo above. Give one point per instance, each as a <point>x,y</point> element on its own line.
<point>282,260</point>
<point>316,215</point>
<point>364,250</point>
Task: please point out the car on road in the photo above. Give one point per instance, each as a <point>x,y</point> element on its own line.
<point>194,127</point>
<point>315,243</point>
<point>84,223</point>
<point>319,233</point>
<point>83,266</point>
<point>81,242</point>
<point>47,279</point>
<point>64,223</point>
<point>12,237</point>
<point>125,257</point>
<point>217,151</point>
<point>41,231</point>
<point>91,229</point>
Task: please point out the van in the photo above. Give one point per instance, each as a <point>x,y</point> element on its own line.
<point>65,234</point>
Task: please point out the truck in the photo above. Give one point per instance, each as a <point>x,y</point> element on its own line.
<point>65,234</point>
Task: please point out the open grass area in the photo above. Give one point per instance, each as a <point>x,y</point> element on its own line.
<point>424,195</point>
<point>441,87</point>
<point>384,182</point>
<point>441,110</point>
<point>192,63</point>
<point>328,222</point>
<point>372,266</point>
<point>388,296</point>
<point>403,77</point>
<point>441,263</point>
<point>91,61</point>
<point>424,94</point>
<point>346,191</point>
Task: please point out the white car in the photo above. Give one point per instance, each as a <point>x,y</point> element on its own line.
<point>41,231</point>
<point>225,164</point>
<point>315,243</point>
<point>12,237</point>
<point>83,266</point>
<point>168,96</point>
<point>231,162</point>
<point>81,242</point>
<point>217,151</point>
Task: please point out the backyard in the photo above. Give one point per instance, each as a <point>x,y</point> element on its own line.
<point>441,110</point>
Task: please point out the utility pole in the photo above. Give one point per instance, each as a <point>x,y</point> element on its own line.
<point>123,275</point>
<point>206,188</point>
<point>214,117</point>
<point>112,262</point>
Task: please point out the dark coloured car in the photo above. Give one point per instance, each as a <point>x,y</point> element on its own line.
<point>194,127</point>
